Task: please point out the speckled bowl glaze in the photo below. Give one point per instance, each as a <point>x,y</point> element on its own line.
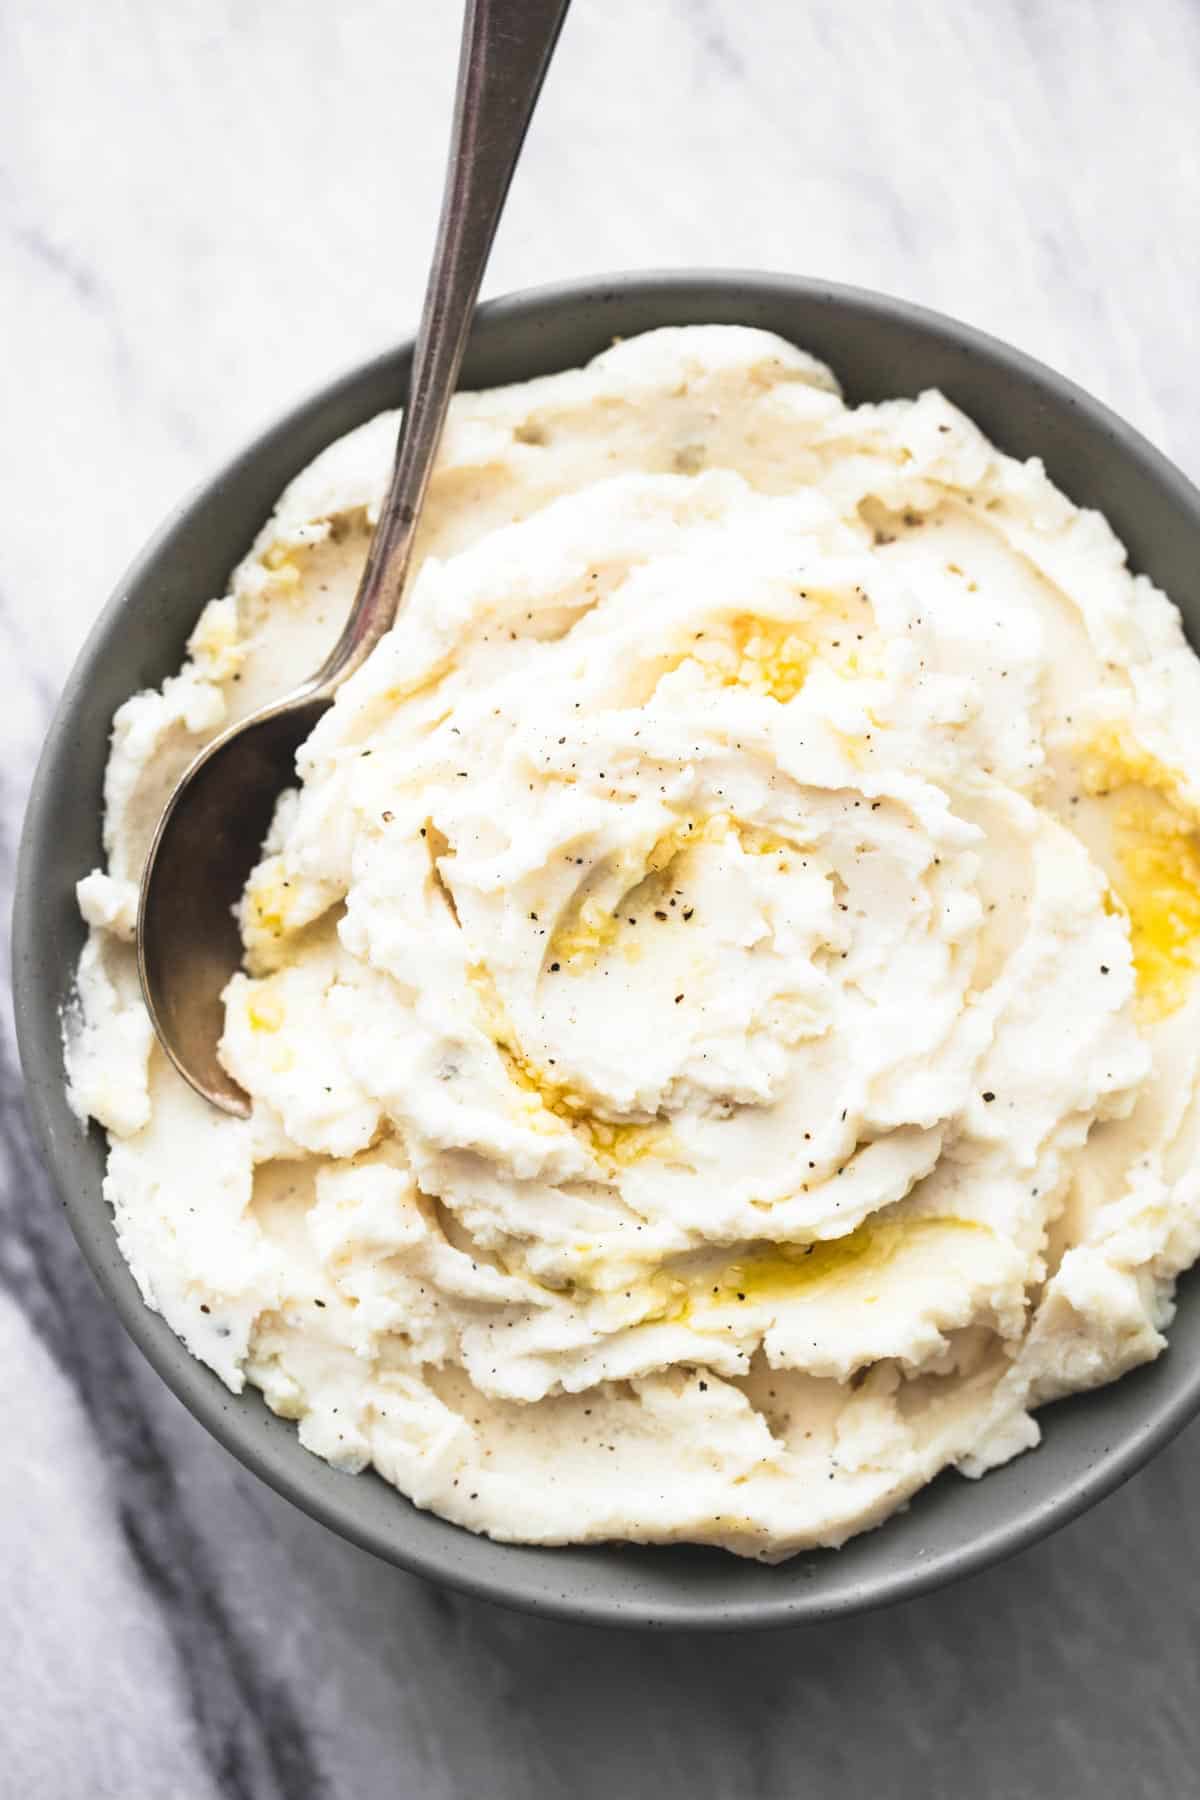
<point>879,348</point>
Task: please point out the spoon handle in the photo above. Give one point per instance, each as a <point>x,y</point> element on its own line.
<point>506,50</point>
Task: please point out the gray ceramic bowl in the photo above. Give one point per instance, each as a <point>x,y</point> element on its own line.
<point>879,348</point>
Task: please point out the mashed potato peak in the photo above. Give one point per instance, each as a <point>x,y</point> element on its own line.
<point>718,1001</point>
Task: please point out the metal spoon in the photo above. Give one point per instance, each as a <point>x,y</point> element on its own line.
<point>211,832</point>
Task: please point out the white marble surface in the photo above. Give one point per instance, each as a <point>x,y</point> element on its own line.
<point>208,206</point>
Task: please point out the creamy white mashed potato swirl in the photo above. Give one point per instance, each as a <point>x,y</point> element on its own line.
<point>718,1001</point>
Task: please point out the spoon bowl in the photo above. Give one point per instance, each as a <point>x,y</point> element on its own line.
<point>207,841</point>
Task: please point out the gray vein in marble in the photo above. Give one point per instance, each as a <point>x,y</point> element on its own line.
<point>60,262</point>
<point>251,1730</point>
<point>715,39</point>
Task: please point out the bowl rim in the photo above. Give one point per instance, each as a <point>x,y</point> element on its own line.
<point>495,1573</point>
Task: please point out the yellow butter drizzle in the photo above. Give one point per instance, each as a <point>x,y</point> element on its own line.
<point>267,905</point>
<point>775,1274</point>
<point>264,1009</point>
<point>765,656</point>
<point>615,1144</point>
<point>584,935</point>
<point>1157,845</point>
<point>278,561</point>
<point>781,1273</point>
<point>772,658</point>
<point>591,928</point>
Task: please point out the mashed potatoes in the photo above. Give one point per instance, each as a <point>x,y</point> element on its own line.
<point>718,1004</point>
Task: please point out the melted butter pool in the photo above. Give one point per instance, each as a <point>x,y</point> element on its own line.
<point>771,658</point>
<point>1157,885</point>
<point>548,1104</point>
<point>775,1275</point>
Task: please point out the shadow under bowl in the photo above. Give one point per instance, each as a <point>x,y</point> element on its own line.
<point>879,348</point>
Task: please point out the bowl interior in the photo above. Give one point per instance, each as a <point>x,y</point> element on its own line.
<point>879,348</point>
